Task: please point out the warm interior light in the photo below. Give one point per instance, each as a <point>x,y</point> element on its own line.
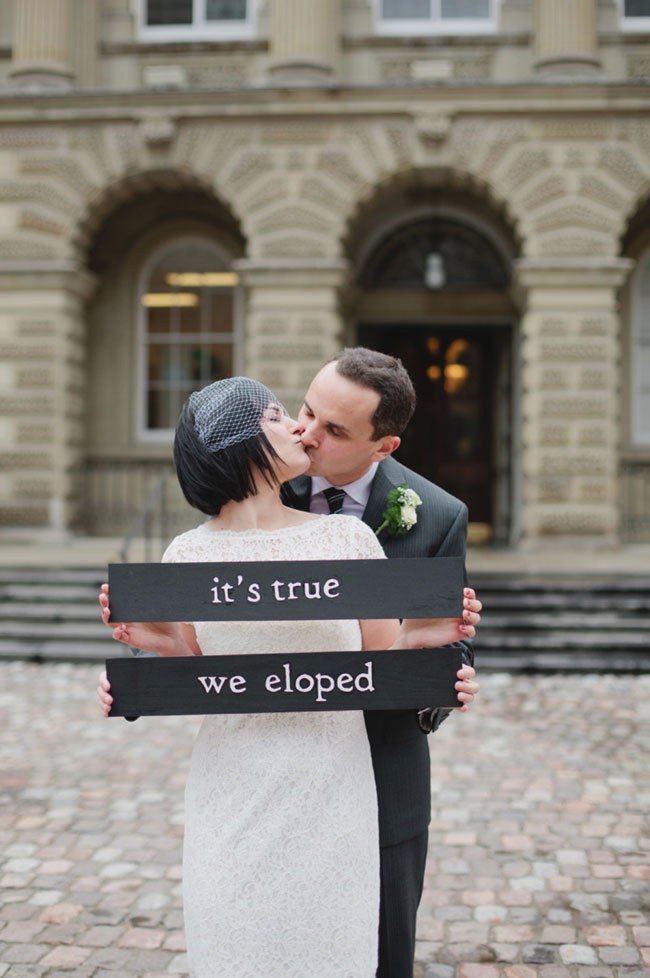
<point>167,299</point>
<point>433,344</point>
<point>456,371</point>
<point>197,280</point>
<point>433,373</point>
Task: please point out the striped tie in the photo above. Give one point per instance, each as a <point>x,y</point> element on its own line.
<point>334,498</point>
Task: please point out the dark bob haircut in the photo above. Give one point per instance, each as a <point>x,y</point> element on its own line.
<point>211,479</point>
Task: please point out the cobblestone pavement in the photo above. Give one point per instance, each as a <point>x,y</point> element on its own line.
<point>538,863</point>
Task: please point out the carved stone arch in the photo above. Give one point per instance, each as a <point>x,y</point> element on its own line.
<point>420,194</point>
<point>120,213</point>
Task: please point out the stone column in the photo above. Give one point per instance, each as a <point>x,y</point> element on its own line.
<point>42,394</point>
<point>43,35</point>
<point>289,321</point>
<point>304,41</point>
<point>570,401</point>
<point>566,37</point>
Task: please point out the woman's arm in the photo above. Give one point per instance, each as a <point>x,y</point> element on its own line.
<point>167,638</point>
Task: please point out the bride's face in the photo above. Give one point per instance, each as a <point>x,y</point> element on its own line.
<point>284,434</point>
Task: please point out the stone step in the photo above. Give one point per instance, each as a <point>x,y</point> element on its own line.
<point>62,651</point>
<point>529,623</point>
<point>591,622</point>
<point>55,612</point>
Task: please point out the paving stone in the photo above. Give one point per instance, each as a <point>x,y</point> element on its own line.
<point>578,954</point>
<point>538,953</point>
<point>531,864</point>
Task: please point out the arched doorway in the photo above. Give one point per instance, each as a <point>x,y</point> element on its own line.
<point>434,290</point>
<point>163,320</point>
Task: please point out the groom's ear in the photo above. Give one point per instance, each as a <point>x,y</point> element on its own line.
<point>386,447</point>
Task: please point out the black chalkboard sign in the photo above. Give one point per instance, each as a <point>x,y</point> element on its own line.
<point>288,590</point>
<point>281,683</point>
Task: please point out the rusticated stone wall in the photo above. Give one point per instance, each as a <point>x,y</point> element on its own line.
<point>565,179</point>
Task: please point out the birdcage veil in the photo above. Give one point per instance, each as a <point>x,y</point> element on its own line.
<point>230,411</point>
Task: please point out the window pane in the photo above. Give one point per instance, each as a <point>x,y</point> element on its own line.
<point>220,311</point>
<point>225,10</point>
<point>406,9</point>
<point>187,302</point>
<point>637,8</point>
<point>475,9</point>
<point>169,12</point>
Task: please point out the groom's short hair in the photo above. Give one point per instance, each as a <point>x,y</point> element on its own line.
<point>386,375</point>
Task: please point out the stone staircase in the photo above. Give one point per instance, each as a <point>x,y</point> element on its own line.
<point>53,614</point>
<point>546,623</point>
<point>555,623</point>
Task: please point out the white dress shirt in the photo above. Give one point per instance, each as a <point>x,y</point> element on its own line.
<point>356,499</point>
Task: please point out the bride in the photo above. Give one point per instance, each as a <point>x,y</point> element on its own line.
<point>281,848</point>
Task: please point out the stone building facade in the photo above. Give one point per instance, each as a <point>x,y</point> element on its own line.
<point>191,189</point>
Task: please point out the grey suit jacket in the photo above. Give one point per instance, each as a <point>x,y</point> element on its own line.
<point>400,752</point>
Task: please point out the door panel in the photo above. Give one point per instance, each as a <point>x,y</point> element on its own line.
<point>452,438</point>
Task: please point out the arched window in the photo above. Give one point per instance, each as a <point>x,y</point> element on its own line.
<point>435,254</point>
<point>187,329</point>
<point>640,353</point>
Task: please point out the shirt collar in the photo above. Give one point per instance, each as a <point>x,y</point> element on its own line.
<point>359,490</point>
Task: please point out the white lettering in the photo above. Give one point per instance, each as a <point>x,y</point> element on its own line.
<point>328,586</point>
<point>287,676</point>
<point>300,685</point>
<point>369,688</point>
<point>253,593</point>
<point>344,682</point>
<point>321,687</point>
<point>210,683</point>
<point>273,684</point>
<point>215,684</point>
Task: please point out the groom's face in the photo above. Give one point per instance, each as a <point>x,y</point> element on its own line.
<point>338,435</point>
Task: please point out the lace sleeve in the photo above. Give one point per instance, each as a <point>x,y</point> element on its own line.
<point>365,542</point>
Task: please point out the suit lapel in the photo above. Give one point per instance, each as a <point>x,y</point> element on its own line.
<point>385,480</point>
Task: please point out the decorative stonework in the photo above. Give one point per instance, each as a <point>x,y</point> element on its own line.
<point>248,166</point>
<point>573,215</point>
<point>37,221</point>
<point>318,190</point>
<point>30,137</point>
<point>526,165</point>
<point>290,246</point>
<point>570,398</point>
<point>290,216</point>
<point>338,165</point>
<point>547,190</point>
<point>568,245</point>
<point>598,188</point>
<point>638,64</point>
<point>622,164</point>
<point>14,249</point>
<point>569,129</point>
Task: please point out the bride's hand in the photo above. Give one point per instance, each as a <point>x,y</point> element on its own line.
<point>165,638</point>
<point>104,693</point>
<point>433,633</point>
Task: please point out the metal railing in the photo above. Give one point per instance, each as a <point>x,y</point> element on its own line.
<point>634,482</point>
<point>138,501</point>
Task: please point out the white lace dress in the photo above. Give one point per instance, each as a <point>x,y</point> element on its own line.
<point>281,852</point>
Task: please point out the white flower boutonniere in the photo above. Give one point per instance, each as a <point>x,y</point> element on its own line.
<point>399,516</point>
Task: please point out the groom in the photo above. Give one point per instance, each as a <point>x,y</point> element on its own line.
<point>352,417</point>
